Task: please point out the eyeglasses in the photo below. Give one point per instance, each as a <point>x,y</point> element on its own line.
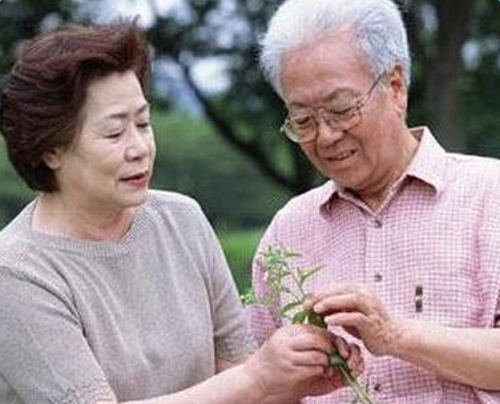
<point>303,127</point>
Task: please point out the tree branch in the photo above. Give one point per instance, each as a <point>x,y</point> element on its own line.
<point>226,132</point>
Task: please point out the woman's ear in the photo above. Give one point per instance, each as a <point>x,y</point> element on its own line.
<point>52,159</point>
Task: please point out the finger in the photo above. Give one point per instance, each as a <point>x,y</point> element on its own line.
<point>309,359</point>
<point>309,302</point>
<point>358,367</point>
<point>308,372</point>
<point>353,301</point>
<point>338,289</point>
<point>355,320</point>
<point>341,346</point>
<point>358,370</point>
<point>354,357</point>
<point>334,377</point>
<point>306,343</point>
<point>311,338</point>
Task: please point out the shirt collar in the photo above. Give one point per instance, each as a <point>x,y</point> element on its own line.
<point>428,165</point>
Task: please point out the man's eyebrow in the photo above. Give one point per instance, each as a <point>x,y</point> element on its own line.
<point>338,92</point>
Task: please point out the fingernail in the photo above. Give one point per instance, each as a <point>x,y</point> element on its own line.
<point>329,319</point>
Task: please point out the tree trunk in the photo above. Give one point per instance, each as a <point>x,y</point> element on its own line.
<point>443,69</point>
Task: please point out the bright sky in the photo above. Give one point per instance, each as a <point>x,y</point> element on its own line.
<point>139,7</point>
<point>208,73</point>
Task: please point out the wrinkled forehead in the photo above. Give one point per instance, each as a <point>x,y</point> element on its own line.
<point>113,95</point>
<point>329,68</point>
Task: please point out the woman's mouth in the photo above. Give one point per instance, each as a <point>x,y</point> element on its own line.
<point>137,180</point>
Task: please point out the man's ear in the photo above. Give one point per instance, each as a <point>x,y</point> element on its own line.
<point>52,158</point>
<point>398,90</point>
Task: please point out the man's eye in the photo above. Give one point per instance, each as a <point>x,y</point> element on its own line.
<point>342,110</point>
<point>303,121</point>
<point>143,125</point>
<point>113,135</point>
<point>347,108</point>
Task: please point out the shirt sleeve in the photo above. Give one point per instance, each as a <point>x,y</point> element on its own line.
<point>44,357</point>
<point>262,323</point>
<point>488,241</point>
<point>232,337</point>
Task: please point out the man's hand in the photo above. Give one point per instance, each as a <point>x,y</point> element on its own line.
<point>360,313</point>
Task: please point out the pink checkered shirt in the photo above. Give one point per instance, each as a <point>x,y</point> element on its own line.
<point>437,234</point>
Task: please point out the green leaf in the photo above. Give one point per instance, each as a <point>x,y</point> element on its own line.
<point>249,298</point>
<point>289,307</point>
<point>284,289</point>
<point>299,317</point>
<point>315,319</point>
<point>306,273</point>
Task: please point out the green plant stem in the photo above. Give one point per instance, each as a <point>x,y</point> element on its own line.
<point>297,298</point>
<point>278,268</point>
<point>297,282</point>
<point>358,389</point>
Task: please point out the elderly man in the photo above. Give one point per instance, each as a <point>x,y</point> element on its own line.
<point>409,234</point>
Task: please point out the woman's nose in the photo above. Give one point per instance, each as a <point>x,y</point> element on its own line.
<point>139,145</point>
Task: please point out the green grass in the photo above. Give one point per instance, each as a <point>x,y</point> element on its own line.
<point>239,247</point>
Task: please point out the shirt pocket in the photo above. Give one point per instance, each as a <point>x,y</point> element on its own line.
<point>396,381</point>
<point>446,290</point>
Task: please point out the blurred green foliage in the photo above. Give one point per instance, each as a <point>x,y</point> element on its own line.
<point>13,193</point>
<point>236,197</point>
<point>239,247</point>
<point>191,159</point>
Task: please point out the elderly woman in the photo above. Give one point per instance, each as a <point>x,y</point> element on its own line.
<point>110,292</point>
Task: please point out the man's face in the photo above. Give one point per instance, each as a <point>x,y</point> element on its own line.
<point>330,74</point>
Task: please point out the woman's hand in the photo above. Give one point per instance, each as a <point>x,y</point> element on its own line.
<point>332,379</point>
<point>294,361</point>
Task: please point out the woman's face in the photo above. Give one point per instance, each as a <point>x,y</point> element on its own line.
<point>110,164</point>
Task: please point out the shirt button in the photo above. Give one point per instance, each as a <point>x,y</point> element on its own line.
<point>377,223</point>
<point>377,387</point>
<point>377,277</point>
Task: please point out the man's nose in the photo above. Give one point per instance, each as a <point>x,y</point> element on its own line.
<point>327,132</point>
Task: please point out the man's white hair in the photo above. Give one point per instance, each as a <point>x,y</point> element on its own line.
<point>377,25</point>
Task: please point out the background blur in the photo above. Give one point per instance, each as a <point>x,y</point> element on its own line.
<point>216,121</point>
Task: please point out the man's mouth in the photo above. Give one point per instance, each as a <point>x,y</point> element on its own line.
<point>342,155</point>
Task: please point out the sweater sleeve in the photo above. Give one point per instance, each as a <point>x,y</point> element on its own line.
<point>262,322</point>
<point>44,357</point>
<point>231,332</point>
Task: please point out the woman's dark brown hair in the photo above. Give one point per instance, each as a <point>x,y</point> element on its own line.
<point>46,89</point>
